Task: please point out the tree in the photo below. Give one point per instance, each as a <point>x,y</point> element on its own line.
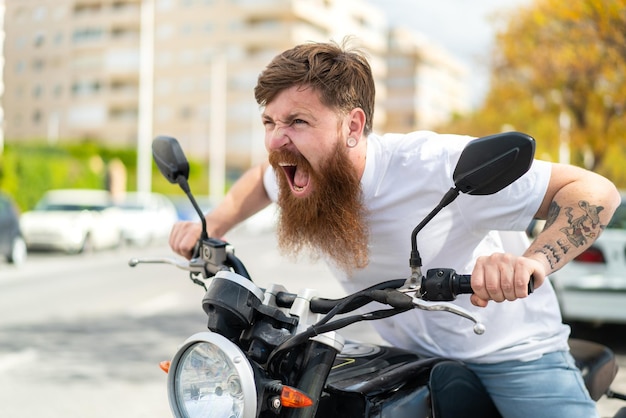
<point>568,58</point>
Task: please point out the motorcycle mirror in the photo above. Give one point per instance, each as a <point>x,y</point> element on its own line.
<point>486,166</point>
<point>172,163</point>
<point>170,159</point>
<point>489,164</point>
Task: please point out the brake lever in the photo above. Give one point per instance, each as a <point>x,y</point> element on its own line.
<point>426,305</point>
<point>181,264</point>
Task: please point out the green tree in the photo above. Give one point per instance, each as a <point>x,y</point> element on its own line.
<point>567,58</point>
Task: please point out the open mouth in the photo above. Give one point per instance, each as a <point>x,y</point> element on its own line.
<point>298,178</point>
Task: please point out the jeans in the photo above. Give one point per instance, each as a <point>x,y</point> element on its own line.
<point>549,387</point>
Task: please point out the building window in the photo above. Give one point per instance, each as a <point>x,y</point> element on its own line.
<point>87,34</point>
<point>38,64</point>
<point>208,28</point>
<point>86,88</point>
<point>57,91</point>
<point>163,87</point>
<point>37,91</point>
<point>186,112</point>
<point>164,31</point>
<point>39,13</point>
<point>121,114</point>
<point>20,67</point>
<point>186,85</point>
<point>58,38</point>
<point>163,59</point>
<point>163,113</point>
<point>187,56</point>
<point>164,5</point>
<point>39,39</point>
<point>21,42</point>
<point>37,117</point>
<point>186,29</point>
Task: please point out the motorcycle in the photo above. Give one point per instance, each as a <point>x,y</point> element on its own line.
<point>272,353</point>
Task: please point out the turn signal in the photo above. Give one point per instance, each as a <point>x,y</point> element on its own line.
<point>293,398</point>
<point>165,366</point>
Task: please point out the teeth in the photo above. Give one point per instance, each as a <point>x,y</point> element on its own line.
<point>286,165</point>
<point>297,188</point>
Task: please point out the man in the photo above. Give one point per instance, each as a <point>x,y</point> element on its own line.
<point>352,197</point>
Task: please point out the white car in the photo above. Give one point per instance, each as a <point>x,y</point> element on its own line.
<point>72,220</point>
<point>146,217</point>
<point>592,288</point>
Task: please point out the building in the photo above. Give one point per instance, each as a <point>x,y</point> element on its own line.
<point>117,70</point>
<point>425,84</point>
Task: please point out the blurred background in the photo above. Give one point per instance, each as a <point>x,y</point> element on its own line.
<point>86,85</point>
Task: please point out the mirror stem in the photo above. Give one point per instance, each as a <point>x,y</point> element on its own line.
<point>415,260</point>
<point>182,182</point>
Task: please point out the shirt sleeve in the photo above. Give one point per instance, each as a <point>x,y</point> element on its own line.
<point>512,208</point>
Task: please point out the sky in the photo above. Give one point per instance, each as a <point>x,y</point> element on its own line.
<point>461,27</point>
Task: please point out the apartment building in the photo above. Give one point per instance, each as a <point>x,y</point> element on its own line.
<point>425,84</point>
<point>111,69</point>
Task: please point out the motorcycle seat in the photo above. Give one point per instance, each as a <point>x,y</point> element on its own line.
<point>597,364</point>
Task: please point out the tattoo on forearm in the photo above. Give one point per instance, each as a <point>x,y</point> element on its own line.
<point>553,213</point>
<point>581,227</point>
<point>584,227</point>
<point>549,256</point>
<point>563,245</point>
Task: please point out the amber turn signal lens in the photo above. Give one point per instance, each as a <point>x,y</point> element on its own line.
<point>293,398</point>
<point>165,366</point>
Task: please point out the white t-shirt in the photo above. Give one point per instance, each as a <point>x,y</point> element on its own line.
<point>405,177</point>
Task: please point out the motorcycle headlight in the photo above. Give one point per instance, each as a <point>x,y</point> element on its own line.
<point>210,377</point>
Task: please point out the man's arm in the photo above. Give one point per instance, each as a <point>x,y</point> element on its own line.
<point>577,206</point>
<point>245,198</point>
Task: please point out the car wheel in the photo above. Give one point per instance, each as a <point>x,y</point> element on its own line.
<point>18,251</point>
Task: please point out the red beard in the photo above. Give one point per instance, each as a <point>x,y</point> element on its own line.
<point>331,220</point>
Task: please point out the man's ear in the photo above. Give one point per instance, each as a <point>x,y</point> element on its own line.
<point>356,122</point>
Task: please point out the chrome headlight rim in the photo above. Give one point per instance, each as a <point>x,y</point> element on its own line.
<point>237,359</point>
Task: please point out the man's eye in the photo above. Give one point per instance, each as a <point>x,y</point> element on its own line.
<point>298,121</point>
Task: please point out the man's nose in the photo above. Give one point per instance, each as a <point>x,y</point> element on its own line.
<point>278,138</point>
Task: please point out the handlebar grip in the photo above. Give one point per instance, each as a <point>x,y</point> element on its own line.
<point>465,286</point>
<point>446,285</point>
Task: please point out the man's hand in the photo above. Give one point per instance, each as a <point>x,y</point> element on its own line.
<point>184,236</point>
<point>501,277</point>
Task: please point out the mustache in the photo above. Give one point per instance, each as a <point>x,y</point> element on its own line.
<point>286,157</point>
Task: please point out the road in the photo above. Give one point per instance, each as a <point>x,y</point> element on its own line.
<point>82,336</point>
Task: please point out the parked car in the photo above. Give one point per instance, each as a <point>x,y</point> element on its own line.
<point>261,222</point>
<point>186,211</point>
<point>12,245</point>
<point>592,287</point>
<point>146,217</point>
<point>73,220</point>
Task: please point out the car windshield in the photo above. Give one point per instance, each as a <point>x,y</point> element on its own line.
<point>618,221</point>
<point>69,207</point>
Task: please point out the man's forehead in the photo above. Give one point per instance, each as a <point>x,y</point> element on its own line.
<point>293,102</point>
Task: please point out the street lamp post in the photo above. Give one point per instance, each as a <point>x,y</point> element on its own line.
<point>217,131</point>
<point>146,96</point>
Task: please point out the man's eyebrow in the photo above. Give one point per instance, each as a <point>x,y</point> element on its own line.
<point>287,120</point>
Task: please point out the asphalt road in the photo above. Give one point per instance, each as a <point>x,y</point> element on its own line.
<point>82,336</point>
